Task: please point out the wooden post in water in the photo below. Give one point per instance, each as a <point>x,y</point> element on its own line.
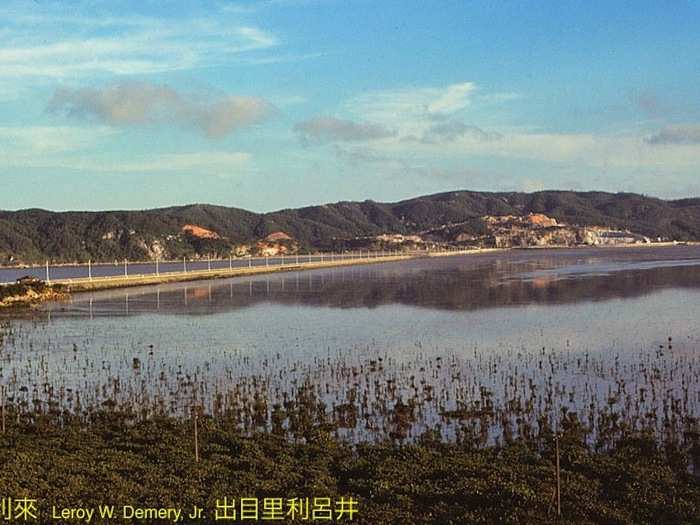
<point>89,269</point>
<point>48,280</point>
<point>184,264</point>
<point>556,442</point>
<point>196,438</point>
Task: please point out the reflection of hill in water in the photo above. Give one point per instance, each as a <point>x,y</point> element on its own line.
<point>449,284</point>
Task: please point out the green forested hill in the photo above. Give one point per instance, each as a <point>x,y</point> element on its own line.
<point>33,235</point>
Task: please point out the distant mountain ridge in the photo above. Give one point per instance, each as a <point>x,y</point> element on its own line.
<point>35,235</point>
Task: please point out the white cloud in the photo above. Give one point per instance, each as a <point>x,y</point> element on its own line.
<point>434,125</point>
<point>42,140</point>
<point>411,110</point>
<point>677,134</point>
<point>329,129</point>
<point>602,152</point>
<point>257,37</point>
<point>453,99</point>
<point>454,129</point>
<point>52,45</point>
<point>142,103</point>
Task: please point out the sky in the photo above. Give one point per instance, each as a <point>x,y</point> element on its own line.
<point>271,104</point>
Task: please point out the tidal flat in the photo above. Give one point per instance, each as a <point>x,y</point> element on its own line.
<point>431,390</point>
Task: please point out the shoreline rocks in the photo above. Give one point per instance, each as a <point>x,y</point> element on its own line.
<point>21,295</point>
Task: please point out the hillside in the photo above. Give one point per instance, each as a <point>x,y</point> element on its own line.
<point>35,235</point>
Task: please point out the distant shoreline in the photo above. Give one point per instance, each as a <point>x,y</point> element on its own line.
<point>610,246</point>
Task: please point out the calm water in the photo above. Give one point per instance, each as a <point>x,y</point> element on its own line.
<point>614,329</point>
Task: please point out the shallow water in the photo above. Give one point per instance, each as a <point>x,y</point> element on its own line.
<point>546,328</point>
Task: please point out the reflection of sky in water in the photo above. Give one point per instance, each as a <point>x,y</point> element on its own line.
<point>292,326</point>
<point>302,332</point>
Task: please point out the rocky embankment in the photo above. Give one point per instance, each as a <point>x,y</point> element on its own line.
<point>24,295</point>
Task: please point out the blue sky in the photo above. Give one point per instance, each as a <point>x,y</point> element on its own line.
<point>267,104</point>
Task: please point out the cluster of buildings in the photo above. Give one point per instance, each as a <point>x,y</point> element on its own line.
<point>536,229</point>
